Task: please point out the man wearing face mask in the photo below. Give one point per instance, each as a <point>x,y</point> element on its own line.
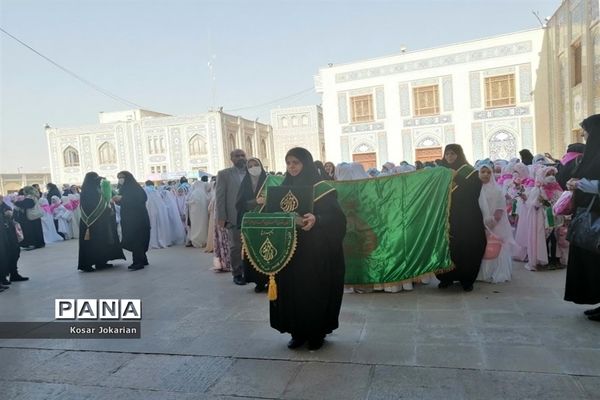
<point>229,181</point>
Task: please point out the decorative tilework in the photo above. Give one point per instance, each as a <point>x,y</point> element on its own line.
<point>438,119</point>
<point>525,82</point>
<point>213,142</point>
<point>447,93</point>
<point>345,148</point>
<point>407,149</point>
<point>343,108</point>
<point>428,141</point>
<point>380,102</point>
<point>377,126</point>
<point>363,147</point>
<point>477,136</point>
<point>361,91</point>
<point>86,159</point>
<point>382,145</point>
<point>121,145</point>
<point>578,18</point>
<point>501,112</point>
<point>404,100</point>
<point>424,82</point>
<point>139,149</point>
<point>499,71</point>
<point>438,61</point>
<point>449,134</point>
<point>594,10</point>
<point>527,132</point>
<point>475,83</point>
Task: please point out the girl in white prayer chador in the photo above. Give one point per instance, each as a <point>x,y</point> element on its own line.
<point>496,266</point>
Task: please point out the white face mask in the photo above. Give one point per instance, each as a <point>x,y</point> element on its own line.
<point>550,179</point>
<point>255,171</point>
<point>121,181</point>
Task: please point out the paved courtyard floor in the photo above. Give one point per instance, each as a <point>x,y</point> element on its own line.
<point>205,338</point>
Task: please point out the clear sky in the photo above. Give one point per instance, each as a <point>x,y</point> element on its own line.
<point>156,53</point>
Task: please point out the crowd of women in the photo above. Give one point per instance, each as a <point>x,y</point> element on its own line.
<point>501,210</point>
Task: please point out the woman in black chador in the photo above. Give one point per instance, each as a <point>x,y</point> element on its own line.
<point>135,222</point>
<point>98,241</point>
<point>583,270</point>
<point>247,201</point>
<point>311,286</point>
<point>467,232</point>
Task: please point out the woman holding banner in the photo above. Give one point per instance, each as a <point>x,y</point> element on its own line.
<point>467,232</point>
<point>311,286</point>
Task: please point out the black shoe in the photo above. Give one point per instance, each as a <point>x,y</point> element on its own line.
<point>594,317</point>
<point>103,266</point>
<point>4,282</point>
<point>315,344</point>
<point>444,284</point>
<point>260,288</point>
<point>239,280</point>
<point>18,278</point>
<point>3,288</point>
<point>86,269</point>
<point>586,312</point>
<point>468,288</point>
<point>295,343</point>
<point>29,248</point>
<point>136,267</point>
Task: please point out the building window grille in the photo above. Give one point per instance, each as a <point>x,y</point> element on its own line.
<point>107,154</point>
<point>500,91</point>
<point>71,157</point>
<point>426,100</point>
<point>362,108</point>
<point>197,146</point>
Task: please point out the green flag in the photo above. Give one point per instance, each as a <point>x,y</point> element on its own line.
<point>397,226</point>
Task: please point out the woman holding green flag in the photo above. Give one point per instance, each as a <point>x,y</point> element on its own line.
<point>98,239</point>
<point>311,286</point>
<point>467,232</point>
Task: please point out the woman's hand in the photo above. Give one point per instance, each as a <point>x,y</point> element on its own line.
<point>308,221</point>
<point>572,184</point>
<point>260,200</point>
<point>116,199</point>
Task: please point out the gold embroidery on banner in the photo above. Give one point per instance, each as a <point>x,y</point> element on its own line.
<point>289,202</point>
<point>268,251</point>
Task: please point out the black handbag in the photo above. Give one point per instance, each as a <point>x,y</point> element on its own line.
<point>584,230</point>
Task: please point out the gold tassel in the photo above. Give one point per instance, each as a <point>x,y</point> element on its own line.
<point>87,234</point>
<point>272,292</point>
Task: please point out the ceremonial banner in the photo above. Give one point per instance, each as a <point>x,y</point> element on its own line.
<point>397,225</point>
<point>269,241</point>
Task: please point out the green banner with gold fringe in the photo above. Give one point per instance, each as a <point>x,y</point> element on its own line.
<point>397,225</point>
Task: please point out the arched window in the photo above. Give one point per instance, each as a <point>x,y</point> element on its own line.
<point>263,149</point>
<point>305,120</point>
<point>249,148</point>
<point>294,121</point>
<point>284,122</point>
<point>107,154</point>
<point>197,146</point>
<point>71,157</point>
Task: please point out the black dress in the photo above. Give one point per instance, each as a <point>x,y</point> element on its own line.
<point>311,286</point>
<point>98,243</point>
<point>135,222</point>
<point>583,270</point>
<point>32,229</point>
<point>246,201</point>
<point>467,231</point>
<point>9,244</point>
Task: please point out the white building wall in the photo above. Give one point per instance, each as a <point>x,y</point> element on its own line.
<point>459,70</point>
<point>308,135</point>
<point>130,140</point>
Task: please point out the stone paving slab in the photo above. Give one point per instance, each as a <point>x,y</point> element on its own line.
<point>205,338</point>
